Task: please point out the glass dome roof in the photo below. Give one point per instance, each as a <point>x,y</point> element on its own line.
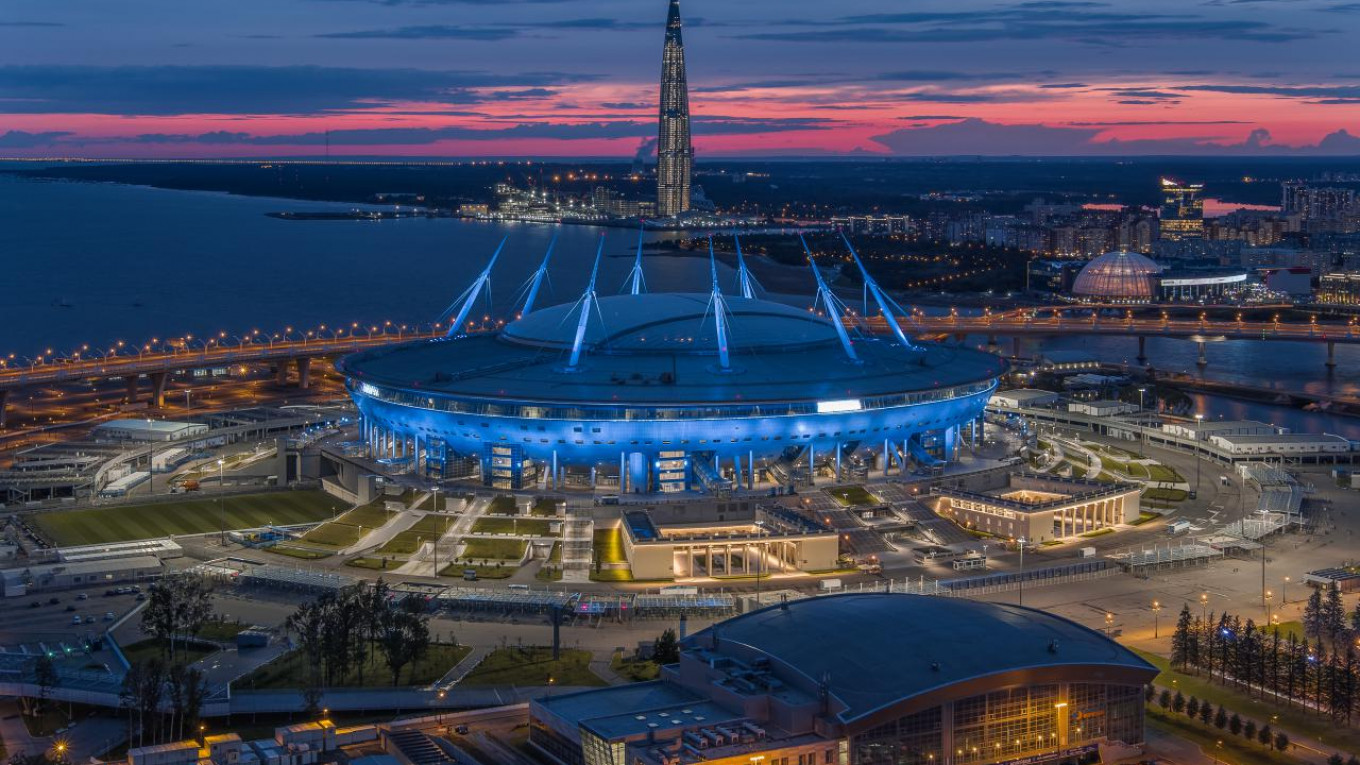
<point>1117,276</point>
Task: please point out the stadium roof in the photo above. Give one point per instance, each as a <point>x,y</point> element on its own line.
<point>889,648</point>
<point>657,349</point>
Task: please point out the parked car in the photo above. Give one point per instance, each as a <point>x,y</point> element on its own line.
<point>141,596</point>
<point>70,608</point>
<point>461,730</point>
<point>108,616</point>
<point>53,601</point>
<point>83,596</point>
<point>76,619</point>
<point>35,604</point>
<point>89,620</point>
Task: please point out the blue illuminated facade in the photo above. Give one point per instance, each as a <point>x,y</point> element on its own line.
<point>650,407</point>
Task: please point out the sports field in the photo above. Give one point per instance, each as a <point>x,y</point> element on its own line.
<point>102,525</point>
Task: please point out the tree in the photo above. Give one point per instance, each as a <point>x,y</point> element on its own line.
<point>1235,724</point>
<point>45,674</point>
<point>1164,699</point>
<point>1333,615</point>
<point>141,696</point>
<point>176,609</point>
<point>1281,741</point>
<point>1355,619</point>
<point>1220,719</point>
<point>1206,712</point>
<point>1178,703</point>
<point>1192,708</point>
<point>667,648</point>
<point>1265,735</point>
<point>41,758</point>
<point>1181,637</point>
<point>1249,730</point>
<point>1149,693</point>
<point>1312,616</point>
<point>1335,759</point>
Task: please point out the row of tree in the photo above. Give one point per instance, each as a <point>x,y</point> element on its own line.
<point>1260,661</point>
<point>1325,618</point>
<point>163,701</point>
<point>1207,715</point>
<point>177,607</point>
<point>340,632</point>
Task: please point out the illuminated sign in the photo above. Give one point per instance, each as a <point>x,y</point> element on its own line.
<point>368,390</point>
<point>831,407</point>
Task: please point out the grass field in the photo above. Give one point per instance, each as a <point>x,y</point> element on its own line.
<point>532,666</point>
<point>1291,719</point>
<point>551,570</point>
<point>1143,517</point>
<point>494,549</point>
<point>1164,473</point>
<point>503,504</point>
<point>493,571</point>
<point>1166,495</point>
<point>633,669</point>
<point>612,575</point>
<point>544,507</point>
<point>529,527</point>
<point>349,528</point>
<point>196,516</point>
<point>185,653</point>
<point>290,670</point>
<point>609,545</point>
<point>427,529</point>
<point>853,495</point>
<point>294,550</point>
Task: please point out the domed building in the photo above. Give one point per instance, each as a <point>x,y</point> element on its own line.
<point>865,679</point>
<point>1119,277</point>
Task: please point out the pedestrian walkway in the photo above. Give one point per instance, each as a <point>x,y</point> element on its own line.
<point>460,670</point>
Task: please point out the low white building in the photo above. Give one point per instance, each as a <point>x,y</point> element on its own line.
<point>1208,428</point>
<point>148,430</point>
<point>1102,408</point>
<point>1025,398</point>
<point>1283,443</point>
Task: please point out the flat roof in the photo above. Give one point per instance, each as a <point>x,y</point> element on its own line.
<point>891,647</point>
<point>1025,394</point>
<point>149,426</point>
<point>1281,438</point>
<point>658,350</point>
<point>615,711</point>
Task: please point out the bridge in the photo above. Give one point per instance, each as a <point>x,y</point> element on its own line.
<point>298,349</point>
<point>1067,320</point>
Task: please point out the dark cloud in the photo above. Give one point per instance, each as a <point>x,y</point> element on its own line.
<point>628,105</point>
<point>708,125</point>
<point>1043,21</point>
<point>1287,91</point>
<point>18,139</point>
<point>243,89</point>
<point>1062,85</point>
<point>979,137</point>
<point>425,32</point>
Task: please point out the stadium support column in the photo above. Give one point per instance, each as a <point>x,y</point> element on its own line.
<point>887,458</point>
<point>812,463</point>
<point>304,369</point>
<point>158,380</point>
<point>623,472</point>
<point>738,478</point>
<point>950,439</point>
<point>554,470</point>
<point>839,448</point>
<point>751,466</point>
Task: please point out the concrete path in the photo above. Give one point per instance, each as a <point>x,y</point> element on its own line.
<point>384,533</point>
<point>461,669</point>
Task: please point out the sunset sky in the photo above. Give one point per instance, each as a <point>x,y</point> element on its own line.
<point>459,78</point>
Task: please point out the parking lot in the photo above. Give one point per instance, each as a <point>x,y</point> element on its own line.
<point>36,617</point>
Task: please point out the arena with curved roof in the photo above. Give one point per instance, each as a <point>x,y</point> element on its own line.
<point>669,392</point>
<point>913,680</point>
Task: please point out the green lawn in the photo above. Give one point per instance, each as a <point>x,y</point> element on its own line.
<point>1161,472</point>
<point>551,570</point>
<point>544,507</point>
<point>493,571</point>
<point>634,670</point>
<point>427,529</point>
<point>1098,532</point>
<point>1291,719</point>
<point>349,528</point>
<point>293,550</point>
<point>220,632</point>
<point>609,545</point>
<point>1143,517</point>
<point>853,495</point>
<point>503,504</point>
<point>1166,495</point>
<point>290,670</point>
<point>494,549</point>
<point>146,650</point>
<point>532,666</point>
<point>1220,744</point>
<point>531,527</point>
<point>195,516</point>
<point>375,564</point>
<point>612,575</point>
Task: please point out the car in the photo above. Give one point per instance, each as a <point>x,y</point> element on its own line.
<point>461,730</point>
<point>77,620</point>
<point>108,616</point>
<point>83,596</point>
<point>89,620</point>
<point>141,596</point>
<point>110,593</point>
<point>53,601</point>
<point>35,604</point>
<point>70,609</point>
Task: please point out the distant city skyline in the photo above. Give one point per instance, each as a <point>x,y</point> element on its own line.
<point>568,78</point>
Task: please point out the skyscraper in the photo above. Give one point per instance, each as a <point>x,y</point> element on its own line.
<point>1182,214</point>
<point>674,154</point>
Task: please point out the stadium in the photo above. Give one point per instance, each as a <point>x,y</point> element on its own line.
<point>670,392</point>
<point>912,680</point>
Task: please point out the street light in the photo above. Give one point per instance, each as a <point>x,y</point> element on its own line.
<point>1199,419</point>
<point>1284,592</point>
<point>221,497</point>
<point>1156,620</point>
<point>1109,622</point>
<point>1142,424</point>
<point>1022,571</point>
<point>1268,596</point>
<point>1204,607</point>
